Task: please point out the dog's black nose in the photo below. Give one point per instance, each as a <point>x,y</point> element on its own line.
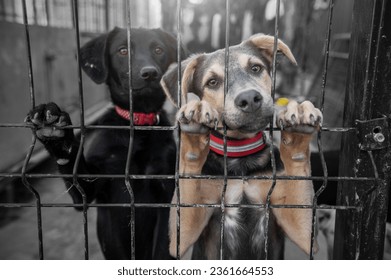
<point>149,73</point>
<point>249,101</point>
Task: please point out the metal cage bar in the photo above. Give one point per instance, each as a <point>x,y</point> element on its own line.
<point>30,152</point>
<point>75,12</point>
<point>272,156</point>
<point>177,130</point>
<point>319,139</point>
<point>131,133</point>
<point>225,175</point>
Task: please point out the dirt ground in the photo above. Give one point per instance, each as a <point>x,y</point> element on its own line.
<point>63,227</point>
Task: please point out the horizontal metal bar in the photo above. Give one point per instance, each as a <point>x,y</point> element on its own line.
<point>169,205</point>
<point>23,125</point>
<point>209,177</point>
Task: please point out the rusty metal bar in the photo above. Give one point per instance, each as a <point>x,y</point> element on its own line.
<point>360,234</point>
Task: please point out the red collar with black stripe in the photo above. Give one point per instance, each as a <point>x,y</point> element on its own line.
<point>139,118</point>
<point>237,147</point>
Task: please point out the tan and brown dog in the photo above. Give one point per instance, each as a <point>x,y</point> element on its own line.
<point>246,110</point>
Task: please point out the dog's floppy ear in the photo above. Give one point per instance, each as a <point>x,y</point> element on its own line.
<point>93,57</point>
<point>170,83</point>
<point>265,43</point>
<point>171,41</point>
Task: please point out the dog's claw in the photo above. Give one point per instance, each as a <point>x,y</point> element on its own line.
<point>293,119</point>
<point>181,118</point>
<point>216,123</point>
<point>191,115</point>
<point>301,118</point>
<point>319,121</point>
<point>312,119</point>
<point>50,118</point>
<point>35,119</point>
<point>208,120</point>
<point>281,122</point>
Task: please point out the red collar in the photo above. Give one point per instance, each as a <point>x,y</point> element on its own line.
<point>139,118</point>
<point>237,148</point>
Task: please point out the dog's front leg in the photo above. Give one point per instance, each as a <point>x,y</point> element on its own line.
<point>298,123</point>
<point>196,118</point>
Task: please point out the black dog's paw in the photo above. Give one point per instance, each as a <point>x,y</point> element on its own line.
<point>48,122</point>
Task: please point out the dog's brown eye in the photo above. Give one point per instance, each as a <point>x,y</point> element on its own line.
<point>256,68</point>
<point>212,83</point>
<point>158,50</point>
<point>123,51</point>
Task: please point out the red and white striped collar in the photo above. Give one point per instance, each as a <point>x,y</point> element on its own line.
<point>235,147</point>
<point>139,118</point>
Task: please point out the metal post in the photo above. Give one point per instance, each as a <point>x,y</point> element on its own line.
<point>360,233</point>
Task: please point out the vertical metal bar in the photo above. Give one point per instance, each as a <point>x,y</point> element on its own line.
<point>319,139</point>
<point>75,5</point>
<point>97,16</point>
<point>107,15</point>
<point>30,64</point>
<point>131,134</point>
<point>360,234</point>
<point>47,10</point>
<point>178,147</point>
<point>35,15</point>
<point>28,156</point>
<point>125,13</point>
<point>225,181</point>
<point>304,23</point>
<point>14,15</point>
<point>75,13</point>
<point>273,159</point>
<point>2,10</point>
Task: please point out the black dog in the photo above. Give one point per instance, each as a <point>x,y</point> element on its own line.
<point>105,60</point>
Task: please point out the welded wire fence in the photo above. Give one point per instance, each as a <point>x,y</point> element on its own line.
<point>85,13</point>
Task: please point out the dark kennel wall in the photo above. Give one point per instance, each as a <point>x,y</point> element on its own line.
<point>366,150</point>
<point>365,156</point>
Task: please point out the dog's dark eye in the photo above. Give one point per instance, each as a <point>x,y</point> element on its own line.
<point>256,68</point>
<point>158,50</point>
<point>123,51</point>
<point>212,83</point>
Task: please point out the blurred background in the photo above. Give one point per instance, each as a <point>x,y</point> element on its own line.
<point>303,26</point>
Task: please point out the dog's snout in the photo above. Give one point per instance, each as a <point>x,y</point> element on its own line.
<point>149,73</point>
<point>249,101</point>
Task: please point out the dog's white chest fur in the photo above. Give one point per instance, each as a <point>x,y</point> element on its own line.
<point>239,189</point>
<point>243,227</point>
